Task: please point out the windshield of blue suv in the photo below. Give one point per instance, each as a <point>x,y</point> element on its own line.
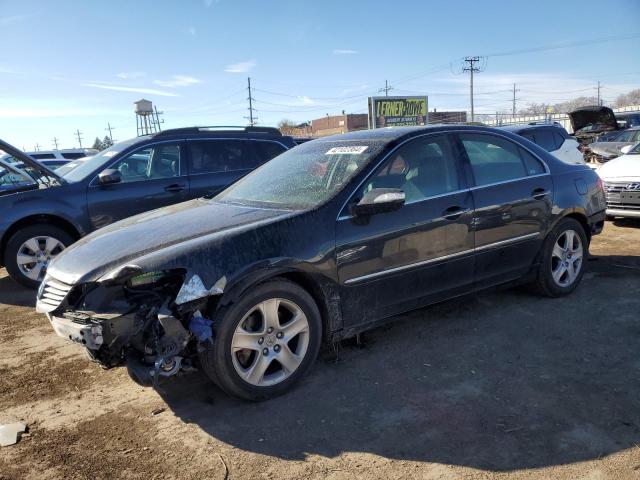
<point>305,176</point>
<point>100,160</point>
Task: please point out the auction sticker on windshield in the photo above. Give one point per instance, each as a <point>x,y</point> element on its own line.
<point>353,150</point>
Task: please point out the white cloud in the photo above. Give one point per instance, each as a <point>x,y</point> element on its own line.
<point>306,100</point>
<point>149,91</point>
<point>130,75</point>
<point>344,52</point>
<point>178,81</point>
<point>240,67</point>
<point>192,31</point>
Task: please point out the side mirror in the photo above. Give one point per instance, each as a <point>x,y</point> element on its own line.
<point>626,149</point>
<point>379,200</point>
<point>109,176</point>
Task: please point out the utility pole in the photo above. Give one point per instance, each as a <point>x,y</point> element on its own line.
<point>251,100</point>
<point>471,61</point>
<point>156,114</point>
<point>109,128</point>
<point>513,108</point>
<point>78,136</point>
<point>36,147</point>
<point>598,88</point>
<point>55,143</point>
<point>386,88</point>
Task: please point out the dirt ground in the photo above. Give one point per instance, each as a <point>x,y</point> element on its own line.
<point>500,385</point>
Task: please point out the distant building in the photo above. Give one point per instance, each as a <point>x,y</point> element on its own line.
<point>447,117</point>
<point>330,125</point>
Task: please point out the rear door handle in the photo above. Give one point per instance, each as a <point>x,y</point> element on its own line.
<point>539,193</point>
<point>174,188</point>
<point>455,212</point>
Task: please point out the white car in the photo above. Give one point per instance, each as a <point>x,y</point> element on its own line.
<point>54,158</point>
<point>553,138</point>
<point>621,177</point>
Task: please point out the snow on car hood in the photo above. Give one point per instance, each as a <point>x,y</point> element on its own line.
<point>625,167</point>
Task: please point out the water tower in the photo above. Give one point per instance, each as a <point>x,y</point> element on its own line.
<point>147,121</point>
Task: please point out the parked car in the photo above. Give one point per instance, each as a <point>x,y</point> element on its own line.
<point>624,120</point>
<point>590,122</point>
<point>322,242</point>
<point>126,179</point>
<point>621,178</point>
<point>553,138</point>
<point>54,158</point>
<point>603,151</point>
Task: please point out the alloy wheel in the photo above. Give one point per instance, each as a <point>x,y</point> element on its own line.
<point>35,254</point>
<point>270,342</point>
<point>566,258</point>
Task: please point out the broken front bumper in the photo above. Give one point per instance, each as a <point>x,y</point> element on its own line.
<point>88,335</point>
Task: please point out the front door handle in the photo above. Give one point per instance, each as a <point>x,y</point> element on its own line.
<point>174,188</point>
<point>455,212</point>
<point>539,193</point>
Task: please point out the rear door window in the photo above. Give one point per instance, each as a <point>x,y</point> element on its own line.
<point>150,163</point>
<point>559,139</point>
<point>42,156</point>
<point>544,138</point>
<point>495,159</point>
<point>208,156</point>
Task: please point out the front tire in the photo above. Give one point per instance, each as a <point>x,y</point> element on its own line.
<point>265,342</point>
<point>30,250</point>
<point>564,255</point>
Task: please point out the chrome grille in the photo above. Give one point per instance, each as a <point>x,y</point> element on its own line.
<point>613,191</point>
<point>52,292</point>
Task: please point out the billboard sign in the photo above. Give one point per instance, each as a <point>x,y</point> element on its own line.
<point>398,111</point>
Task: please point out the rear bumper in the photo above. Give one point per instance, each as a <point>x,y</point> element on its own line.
<point>596,222</point>
<point>612,212</point>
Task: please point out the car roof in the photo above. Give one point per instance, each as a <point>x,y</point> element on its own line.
<point>521,128</point>
<point>226,131</point>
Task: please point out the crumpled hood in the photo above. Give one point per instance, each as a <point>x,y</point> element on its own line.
<point>582,117</point>
<point>122,242</point>
<point>624,167</point>
<point>608,149</point>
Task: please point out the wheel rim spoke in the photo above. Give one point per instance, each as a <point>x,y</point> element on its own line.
<point>567,257</point>
<point>25,259</point>
<point>297,325</point>
<point>289,360</point>
<point>36,272</point>
<point>51,244</point>
<point>255,373</point>
<point>33,245</point>
<point>558,251</point>
<point>269,310</point>
<point>559,272</point>
<point>246,340</point>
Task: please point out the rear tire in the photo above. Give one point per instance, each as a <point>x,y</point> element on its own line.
<point>40,243</point>
<point>563,258</point>
<point>265,342</point>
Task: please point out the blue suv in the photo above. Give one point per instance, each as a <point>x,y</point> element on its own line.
<point>48,210</point>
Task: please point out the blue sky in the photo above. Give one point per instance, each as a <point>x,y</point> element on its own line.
<point>77,65</point>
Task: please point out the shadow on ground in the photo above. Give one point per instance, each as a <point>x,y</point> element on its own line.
<point>12,293</point>
<point>500,381</point>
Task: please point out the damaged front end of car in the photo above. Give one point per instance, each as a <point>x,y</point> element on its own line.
<point>152,321</point>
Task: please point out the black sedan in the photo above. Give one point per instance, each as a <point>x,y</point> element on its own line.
<point>326,240</point>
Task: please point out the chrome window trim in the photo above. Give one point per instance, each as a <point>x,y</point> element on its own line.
<point>448,132</point>
<point>388,271</point>
<point>509,181</point>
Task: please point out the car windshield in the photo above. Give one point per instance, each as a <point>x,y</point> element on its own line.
<point>62,170</point>
<point>303,177</point>
<point>90,164</point>
<point>635,150</point>
<point>10,179</point>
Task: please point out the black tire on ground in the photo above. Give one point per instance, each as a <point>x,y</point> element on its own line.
<point>610,218</point>
<point>21,236</point>
<point>217,361</point>
<point>544,279</point>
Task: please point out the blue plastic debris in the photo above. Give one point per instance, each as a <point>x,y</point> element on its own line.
<point>201,328</point>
